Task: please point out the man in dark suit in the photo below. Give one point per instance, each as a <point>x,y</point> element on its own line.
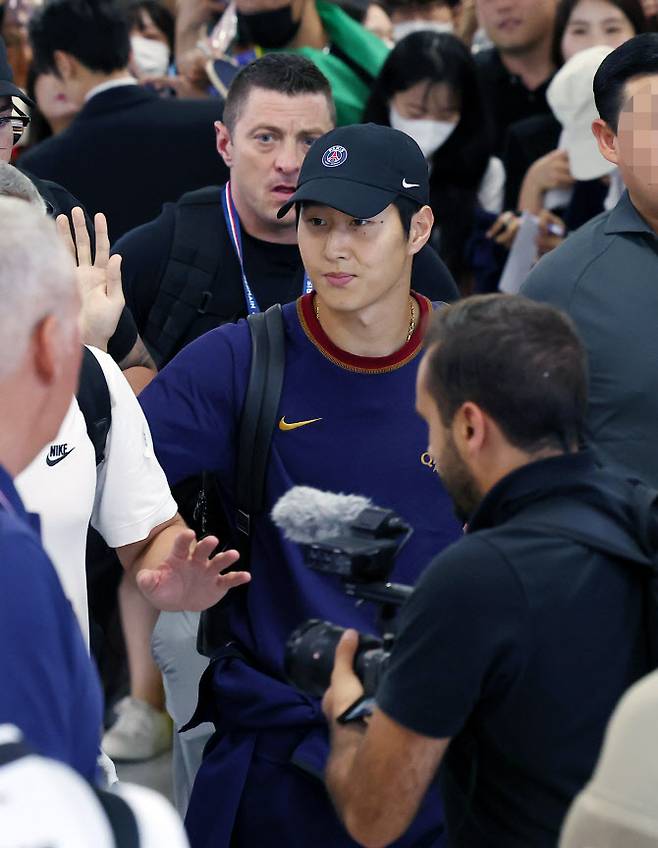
<point>124,346</point>
<point>128,151</point>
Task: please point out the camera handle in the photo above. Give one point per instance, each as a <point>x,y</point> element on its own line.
<point>388,596</point>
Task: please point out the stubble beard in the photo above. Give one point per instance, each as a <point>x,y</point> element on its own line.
<point>458,481</point>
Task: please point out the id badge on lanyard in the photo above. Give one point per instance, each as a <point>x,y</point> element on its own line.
<point>235,234</point>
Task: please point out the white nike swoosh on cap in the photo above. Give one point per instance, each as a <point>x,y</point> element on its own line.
<point>405,184</point>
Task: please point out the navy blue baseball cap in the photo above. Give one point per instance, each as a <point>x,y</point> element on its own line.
<point>7,87</point>
<point>360,170</point>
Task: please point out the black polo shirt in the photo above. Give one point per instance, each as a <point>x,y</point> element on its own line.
<point>605,276</point>
<point>517,644</point>
<point>508,98</point>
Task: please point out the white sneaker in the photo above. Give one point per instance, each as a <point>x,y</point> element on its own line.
<point>139,733</point>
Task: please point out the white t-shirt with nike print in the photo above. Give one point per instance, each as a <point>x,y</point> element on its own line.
<point>124,498</point>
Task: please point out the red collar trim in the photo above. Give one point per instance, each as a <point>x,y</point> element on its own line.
<point>362,364</point>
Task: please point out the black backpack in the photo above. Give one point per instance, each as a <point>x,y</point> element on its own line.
<point>190,300</point>
<point>187,285</point>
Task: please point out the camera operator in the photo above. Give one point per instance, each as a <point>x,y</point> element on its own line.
<point>521,637</point>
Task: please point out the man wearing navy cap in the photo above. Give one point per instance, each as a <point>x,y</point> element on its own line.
<point>346,423</point>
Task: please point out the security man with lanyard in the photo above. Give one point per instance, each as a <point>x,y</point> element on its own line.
<point>345,423</point>
<point>220,254</point>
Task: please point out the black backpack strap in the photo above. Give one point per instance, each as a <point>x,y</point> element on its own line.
<point>257,423</point>
<point>94,402</point>
<point>187,284</point>
<point>581,520</point>
<point>259,412</point>
<point>121,819</point>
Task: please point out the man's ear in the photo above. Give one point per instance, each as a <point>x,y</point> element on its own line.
<point>607,140</point>
<point>224,143</point>
<point>420,229</point>
<point>66,66</point>
<point>469,429</point>
<point>46,338</point>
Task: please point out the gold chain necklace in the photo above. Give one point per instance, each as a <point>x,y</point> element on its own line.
<point>412,319</point>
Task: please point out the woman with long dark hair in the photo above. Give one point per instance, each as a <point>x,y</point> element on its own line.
<point>428,88</point>
<point>580,24</point>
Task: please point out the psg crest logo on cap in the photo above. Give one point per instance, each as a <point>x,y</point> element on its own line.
<point>334,156</point>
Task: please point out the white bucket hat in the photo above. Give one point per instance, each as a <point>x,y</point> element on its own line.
<point>571,98</point>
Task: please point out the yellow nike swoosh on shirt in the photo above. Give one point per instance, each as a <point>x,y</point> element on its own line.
<point>283,424</point>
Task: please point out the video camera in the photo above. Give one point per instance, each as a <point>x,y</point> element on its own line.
<point>363,557</point>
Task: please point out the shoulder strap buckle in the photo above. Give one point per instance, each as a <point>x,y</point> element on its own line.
<point>206,297</point>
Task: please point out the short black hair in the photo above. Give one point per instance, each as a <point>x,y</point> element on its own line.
<point>522,362</point>
<point>637,57</point>
<point>159,14</point>
<point>286,73</point>
<point>95,32</point>
<point>631,8</point>
<point>407,208</point>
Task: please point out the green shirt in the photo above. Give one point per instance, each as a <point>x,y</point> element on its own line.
<point>368,52</point>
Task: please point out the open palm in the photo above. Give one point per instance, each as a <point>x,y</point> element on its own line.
<point>99,279</point>
<point>187,578</point>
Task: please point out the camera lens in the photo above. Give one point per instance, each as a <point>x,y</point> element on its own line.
<point>309,657</point>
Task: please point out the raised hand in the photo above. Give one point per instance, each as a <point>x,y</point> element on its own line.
<point>99,281</point>
<point>187,579</point>
<point>552,170</point>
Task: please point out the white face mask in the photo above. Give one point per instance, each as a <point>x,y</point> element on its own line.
<point>151,57</point>
<point>403,28</point>
<point>429,135</point>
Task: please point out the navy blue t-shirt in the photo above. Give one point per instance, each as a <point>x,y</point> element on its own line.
<point>50,689</point>
<point>367,440</point>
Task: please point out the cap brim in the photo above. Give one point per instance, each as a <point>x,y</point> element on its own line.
<point>348,196</point>
<point>8,89</point>
<point>585,159</point>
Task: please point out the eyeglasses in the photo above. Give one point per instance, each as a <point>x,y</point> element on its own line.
<point>17,123</point>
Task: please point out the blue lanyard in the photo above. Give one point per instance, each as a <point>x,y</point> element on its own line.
<point>235,234</point>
